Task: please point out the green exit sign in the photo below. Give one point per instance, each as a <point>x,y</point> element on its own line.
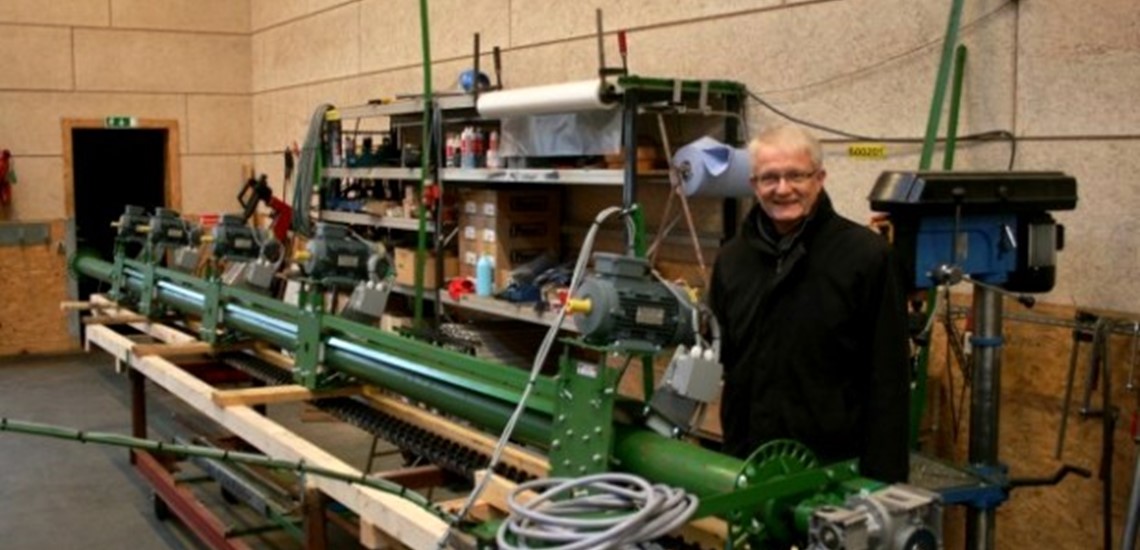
<point>120,122</point>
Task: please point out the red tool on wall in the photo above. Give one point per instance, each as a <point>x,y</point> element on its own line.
<point>7,177</point>
<point>258,190</point>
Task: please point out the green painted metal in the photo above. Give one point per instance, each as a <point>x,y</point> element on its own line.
<point>934,120</point>
<point>211,310</point>
<point>117,272</point>
<point>950,41</point>
<point>583,425</point>
<point>650,84</point>
<point>214,453</point>
<point>955,107</point>
<point>307,356</point>
<point>146,299</point>
<point>703,472</point>
<point>425,166</point>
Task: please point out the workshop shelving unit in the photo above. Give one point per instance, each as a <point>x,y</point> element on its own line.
<point>719,101</point>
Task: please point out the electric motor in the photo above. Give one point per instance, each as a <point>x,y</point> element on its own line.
<point>336,257</point>
<point>234,240</point>
<point>130,225</point>
<point>167,227</point>
<point>629,308</point>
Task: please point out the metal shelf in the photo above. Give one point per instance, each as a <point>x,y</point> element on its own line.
<point>492,306</point>
<point>364,218</point>
<point>404,107</point>
<point>536,175</point>
<point>503,308</point>
<point>409,290</point>
<point>373,172</point>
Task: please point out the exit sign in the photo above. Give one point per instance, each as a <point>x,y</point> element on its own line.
<point>120,122</point>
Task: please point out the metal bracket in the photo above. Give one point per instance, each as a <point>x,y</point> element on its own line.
<point>23,234</point>
<point>583,420</point>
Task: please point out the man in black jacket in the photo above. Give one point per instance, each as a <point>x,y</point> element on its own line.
<point>813,321</point>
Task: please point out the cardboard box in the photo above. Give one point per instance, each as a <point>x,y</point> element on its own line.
<point>406,267</point>
<point>509,203</point>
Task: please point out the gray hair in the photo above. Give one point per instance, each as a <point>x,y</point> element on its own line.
<point>789,136</point>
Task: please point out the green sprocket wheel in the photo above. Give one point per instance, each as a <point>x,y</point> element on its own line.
<point>772,460</point>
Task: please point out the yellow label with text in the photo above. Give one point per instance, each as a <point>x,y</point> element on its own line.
<point>868,151</point>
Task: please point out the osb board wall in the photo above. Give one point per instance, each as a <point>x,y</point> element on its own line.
<point>1034,371</point>
<point>33,281</point>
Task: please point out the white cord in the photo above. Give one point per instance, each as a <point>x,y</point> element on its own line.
<point>601,511</point>
<point>536,369</point>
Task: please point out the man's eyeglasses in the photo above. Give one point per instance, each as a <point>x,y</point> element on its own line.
<point>772,179</point>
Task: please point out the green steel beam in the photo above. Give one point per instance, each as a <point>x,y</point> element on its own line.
<point>935,118</point>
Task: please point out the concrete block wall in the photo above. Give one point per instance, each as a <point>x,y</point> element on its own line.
<point>183,60</point>
<point>1061,75</point>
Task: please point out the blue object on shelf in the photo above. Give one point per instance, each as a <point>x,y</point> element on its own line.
<point>484,275</point>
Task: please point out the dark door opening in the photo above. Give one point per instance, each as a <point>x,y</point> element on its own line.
<point>111,169</point>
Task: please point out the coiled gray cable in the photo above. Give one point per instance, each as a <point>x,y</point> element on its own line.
<point>611,510</point>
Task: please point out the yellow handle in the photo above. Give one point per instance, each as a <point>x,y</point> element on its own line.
<point>578,305</point>
<point>302,256</point>
<point>142,229</point>
<point>207,238</point>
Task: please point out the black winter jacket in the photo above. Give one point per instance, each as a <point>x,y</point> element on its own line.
<point>814,342</point>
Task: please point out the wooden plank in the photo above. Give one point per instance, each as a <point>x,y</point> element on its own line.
<point>277,394</point>
<point>173,350</point>
<point>530,463</point>
<point>115,319</point>
<point>498,489</point>
<point>160,332</point>
<point>397,517</point>
<point>273,356</point>
<point>33,281</point>
<point>72,305</point>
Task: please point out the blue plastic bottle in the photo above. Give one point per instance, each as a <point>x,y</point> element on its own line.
<point>484,275</point>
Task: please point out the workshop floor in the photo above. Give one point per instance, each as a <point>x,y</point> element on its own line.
<point>63,494</point>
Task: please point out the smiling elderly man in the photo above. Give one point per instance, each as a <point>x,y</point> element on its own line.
<point>814,322</point>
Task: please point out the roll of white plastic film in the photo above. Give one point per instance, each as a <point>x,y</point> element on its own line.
<point>570,97</point>
<point>709,168</point>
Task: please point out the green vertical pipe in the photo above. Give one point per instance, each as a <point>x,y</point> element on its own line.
<point>935,119</point>
<point>955,106</point>
<point>425,164</point>
<point>918,393</point>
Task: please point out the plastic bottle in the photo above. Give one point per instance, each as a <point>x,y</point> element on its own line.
<point>479,147</point>
<point>451,151</point>
<point>467,148</point>
<point>484,275</point>
<point>493,160</point>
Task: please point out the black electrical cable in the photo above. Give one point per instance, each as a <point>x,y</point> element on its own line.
<point>979,137</point>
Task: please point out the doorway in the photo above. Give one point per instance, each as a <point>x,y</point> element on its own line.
<point>109,169</point>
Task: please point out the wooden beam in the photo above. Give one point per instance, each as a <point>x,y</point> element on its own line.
<point>277,394</point>
<point>498,489</point>
<point>172,350</point>
<point>530,463</point>
<point>71,305</point>
<point>270,355</point>
<point>115,319</point>
<point>181,349</point>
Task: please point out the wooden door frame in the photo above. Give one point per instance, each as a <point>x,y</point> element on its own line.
<point>172,186</point>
